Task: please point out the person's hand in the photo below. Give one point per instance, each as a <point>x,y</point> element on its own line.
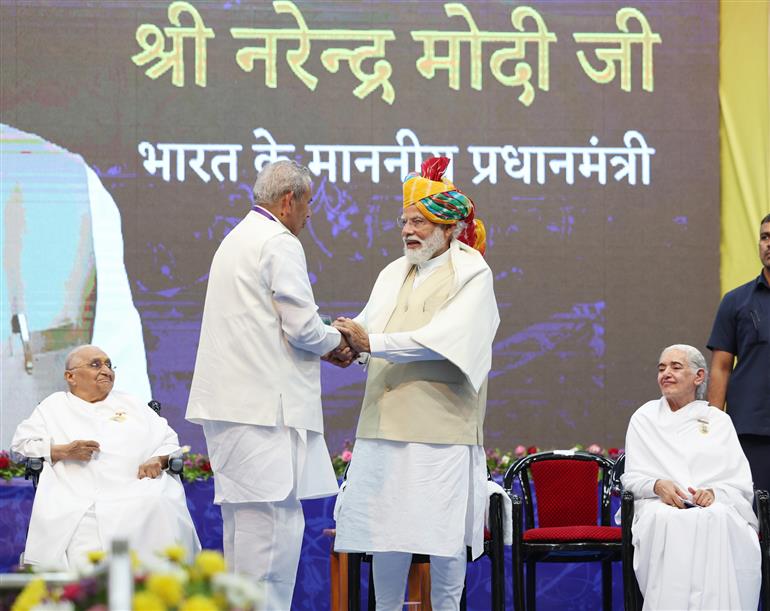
<point>357,337</point>
<point>153,467</point>
<point>669,493</point>
<point>702,496</point>
<point>80,449</point>
<point>342,356</point>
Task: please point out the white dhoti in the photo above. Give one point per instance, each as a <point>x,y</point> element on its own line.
<point>261,473</point>
<point>413,498</point>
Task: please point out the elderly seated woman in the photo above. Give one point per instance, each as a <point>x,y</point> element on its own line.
<point>694,531</point>
<point>105,453</point>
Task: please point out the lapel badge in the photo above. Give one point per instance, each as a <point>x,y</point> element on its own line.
<point>703,425</point>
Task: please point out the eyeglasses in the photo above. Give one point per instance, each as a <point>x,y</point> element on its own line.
<point>417,222</point>
<point>96,364</point>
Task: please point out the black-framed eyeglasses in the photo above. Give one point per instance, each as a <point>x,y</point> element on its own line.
<point>96,364</point>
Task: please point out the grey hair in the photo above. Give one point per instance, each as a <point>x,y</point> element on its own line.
<point>279,178</point>
<point>73,353</point>
<point>458,229</point>
<point>696,361</point>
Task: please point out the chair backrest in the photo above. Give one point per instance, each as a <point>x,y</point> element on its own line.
<point>565,486</point>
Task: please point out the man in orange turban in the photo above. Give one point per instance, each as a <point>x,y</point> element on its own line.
<point>417,480</point>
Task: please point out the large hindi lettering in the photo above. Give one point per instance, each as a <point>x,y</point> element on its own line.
<point>150,39</point>
<point>330,58</point>
<point>475,38</point>
<point>339,161</point>
<point>560,160</point>
<point>622,53</point>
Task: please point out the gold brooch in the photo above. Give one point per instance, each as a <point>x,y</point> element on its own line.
<point>119,416</point>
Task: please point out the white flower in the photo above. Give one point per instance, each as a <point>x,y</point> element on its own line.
<point>62,605</point>
<point>240,592</point>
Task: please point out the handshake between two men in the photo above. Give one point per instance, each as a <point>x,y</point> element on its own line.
<point>355,340</point>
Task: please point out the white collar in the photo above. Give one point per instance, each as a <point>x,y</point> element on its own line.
<point>433,264</point>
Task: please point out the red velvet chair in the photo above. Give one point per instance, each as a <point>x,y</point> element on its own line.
<point>572,524</point>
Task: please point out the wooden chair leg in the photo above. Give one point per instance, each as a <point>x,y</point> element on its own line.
<point>338,575</point>
<point>531,585</point>
<point>418,585</point>
<point>607,585</point>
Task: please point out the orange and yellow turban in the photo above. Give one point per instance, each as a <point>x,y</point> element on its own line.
<point>439,201</point>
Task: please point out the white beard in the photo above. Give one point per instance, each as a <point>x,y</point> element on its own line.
<point>429,246</point>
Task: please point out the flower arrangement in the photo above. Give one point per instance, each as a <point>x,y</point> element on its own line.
<point>340,461</point>
<point>196,467</point>
<point>171,585</point>
<point>498,461</point>
<point>9,468</point>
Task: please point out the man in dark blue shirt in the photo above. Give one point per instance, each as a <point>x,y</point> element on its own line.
<point>742,330</point>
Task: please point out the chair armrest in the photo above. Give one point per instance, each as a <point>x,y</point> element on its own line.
<point>176,465</point>
<point>32,469</point>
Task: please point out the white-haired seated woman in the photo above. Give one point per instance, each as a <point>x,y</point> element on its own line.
<point>694,530</point>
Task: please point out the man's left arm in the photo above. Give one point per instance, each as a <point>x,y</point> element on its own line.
<point>153,467</point>
<point>169,442</point>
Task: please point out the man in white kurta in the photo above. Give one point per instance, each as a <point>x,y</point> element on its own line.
<point>257,384</point>
<point>417,479</point>
<point>694,531</point>
<point>103,476</point>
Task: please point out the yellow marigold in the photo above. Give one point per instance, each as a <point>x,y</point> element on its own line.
<point>31,596</point>
<point>167,587</point>
<point>147,601</point>
<point>95,556</point>
<point>199,602</point>
<point>210,563</point>
<point>175,553</point>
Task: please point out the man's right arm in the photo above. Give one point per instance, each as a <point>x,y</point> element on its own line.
<point>721,368</point>
<point>724,346</point>
<point>33,440</point>
<point>80,449</point>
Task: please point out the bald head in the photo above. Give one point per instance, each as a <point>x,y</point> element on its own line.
<point>88,373</point>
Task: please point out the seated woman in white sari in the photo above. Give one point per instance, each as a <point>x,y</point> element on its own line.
<point>103,478</point>
<point>694,530</point>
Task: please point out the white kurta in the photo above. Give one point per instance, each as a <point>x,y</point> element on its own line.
<point>699,558</point>
<point>151,513</point>
<point>263,424</point>
<point>415,497</point>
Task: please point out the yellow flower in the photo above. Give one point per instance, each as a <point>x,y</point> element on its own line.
<point>31,596</point>
<point>136,564</point>
<point>199,602</point>
<point>175,553</point>
<point>209,563</point>
<point>95,556</point>
<point>147,601</point>
<point>167,587</point>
